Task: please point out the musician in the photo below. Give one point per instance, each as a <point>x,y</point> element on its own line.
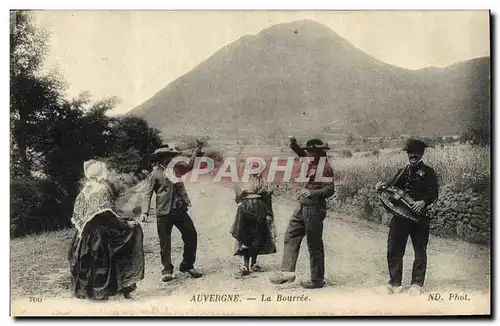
<point>420,182</point>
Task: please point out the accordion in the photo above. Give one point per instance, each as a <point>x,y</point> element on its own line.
<point>399,203</point>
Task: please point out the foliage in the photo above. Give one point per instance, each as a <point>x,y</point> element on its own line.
<point>462,210</point>
<point>51,136</point>
<point>37,206</point>
<point>480,137</point>
<point>33,95</point>
<point>346,153</point>
<point>132,141</point>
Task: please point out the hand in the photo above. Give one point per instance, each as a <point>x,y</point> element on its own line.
<point>144,218</point>
<point>199,142</point>
<point>293,140</point>
<point>269,219</point>
<point>305,193</point>
<point>418,206</point>
<point>379,186</point>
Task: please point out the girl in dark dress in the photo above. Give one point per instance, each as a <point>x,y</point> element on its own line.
<point>253,227</point>
<point>106,255</point>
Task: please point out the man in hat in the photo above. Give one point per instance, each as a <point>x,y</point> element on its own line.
<point>307,219</point>
<point>172,204</point>
<point>420,182</point>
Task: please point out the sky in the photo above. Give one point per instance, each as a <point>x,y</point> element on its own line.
<point>134,54</point>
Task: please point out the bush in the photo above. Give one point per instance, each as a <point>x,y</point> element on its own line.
<point>480,137</point>
<point>448,140</point>
<point>38,206</point>
<point>216,156</point>
<point>462,210</point>
<point>190,141</point>
<point>129,161</point>
<point>346,153</point>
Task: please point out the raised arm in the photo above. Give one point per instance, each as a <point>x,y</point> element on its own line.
<point>296,147</point>
<point>182,168</point>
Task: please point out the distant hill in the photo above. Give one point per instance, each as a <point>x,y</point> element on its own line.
<point>303,78</point>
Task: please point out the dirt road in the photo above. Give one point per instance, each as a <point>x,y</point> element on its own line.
<point>355,264</point>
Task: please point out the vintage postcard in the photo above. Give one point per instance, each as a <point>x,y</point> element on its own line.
<point>250,163</point>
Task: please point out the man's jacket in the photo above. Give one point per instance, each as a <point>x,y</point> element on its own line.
<point>168,194</point>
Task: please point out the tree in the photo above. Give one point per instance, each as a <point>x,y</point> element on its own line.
<point>132,137</point>
<point>33,95</point>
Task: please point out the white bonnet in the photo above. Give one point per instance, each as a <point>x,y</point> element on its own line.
<point>96,170</point>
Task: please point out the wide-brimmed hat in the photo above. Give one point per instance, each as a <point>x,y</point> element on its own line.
<point>317,144</point>
<point>415,146</point>
<point>166,150</point>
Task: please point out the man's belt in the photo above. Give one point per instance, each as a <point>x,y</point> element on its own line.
<point>252,196</point>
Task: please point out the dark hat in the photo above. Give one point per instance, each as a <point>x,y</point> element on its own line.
<point>415,146</point>
<point>166,149</point>
<point>316,144</point>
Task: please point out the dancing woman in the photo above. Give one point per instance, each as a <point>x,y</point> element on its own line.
<point>253,228</point>
<point>106,255</point>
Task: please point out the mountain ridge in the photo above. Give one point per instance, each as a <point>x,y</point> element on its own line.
<point>300,76</point>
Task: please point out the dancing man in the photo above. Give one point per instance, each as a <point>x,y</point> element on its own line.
<point>172,204</point>
<point>307,220</point>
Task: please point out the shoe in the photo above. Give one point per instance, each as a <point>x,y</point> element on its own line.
<point>243,271</point>
<point>397,289</point>
<point>312,284</point>
<point>282,277</point>
<point>167,277</point>
<point>128,295</point>
<point>191,271</point>
<point>256,268</point>
<point>415,290</point>
<point>389,289</point>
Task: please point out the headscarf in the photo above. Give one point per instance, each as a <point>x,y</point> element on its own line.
<point>96,196</point>
<point>95,170</point>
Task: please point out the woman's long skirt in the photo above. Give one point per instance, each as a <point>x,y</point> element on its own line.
<point>107,259</point>
<point>251,229</point>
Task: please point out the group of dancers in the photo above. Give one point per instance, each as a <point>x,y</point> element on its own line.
<point>106,255</point>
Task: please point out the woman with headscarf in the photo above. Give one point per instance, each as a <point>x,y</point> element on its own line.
<point>253,227</point>
<point>106,255</point>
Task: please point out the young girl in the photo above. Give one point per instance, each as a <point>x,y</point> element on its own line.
<point>253,227</point>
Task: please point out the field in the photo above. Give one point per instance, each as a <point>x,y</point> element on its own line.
<point>354,253</point>
<point>355,266</point>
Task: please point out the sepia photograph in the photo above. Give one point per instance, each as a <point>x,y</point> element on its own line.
<point>279,163</point>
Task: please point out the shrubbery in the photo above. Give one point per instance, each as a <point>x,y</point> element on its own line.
<point>52,136</point>
<point>462,210</point>
<point>38,206</point>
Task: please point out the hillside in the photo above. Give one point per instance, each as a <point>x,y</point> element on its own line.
<point>302,77</point>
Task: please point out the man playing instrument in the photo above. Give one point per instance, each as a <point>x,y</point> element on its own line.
<point>419,181</point>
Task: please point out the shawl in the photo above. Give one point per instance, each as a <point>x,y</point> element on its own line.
<point>94,199</point>
<point>256,185</point>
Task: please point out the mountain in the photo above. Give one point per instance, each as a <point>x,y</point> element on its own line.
<point>303,78</point>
